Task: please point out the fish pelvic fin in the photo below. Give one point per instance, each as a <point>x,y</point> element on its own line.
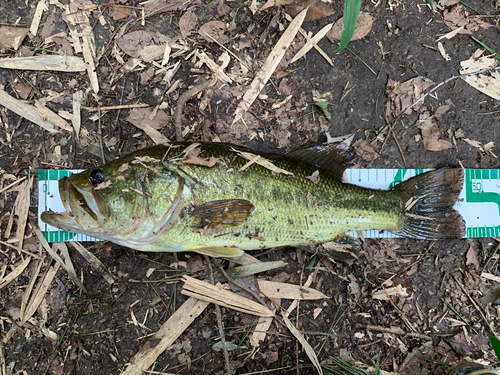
<point>429,199</point>
<point>219,251</point>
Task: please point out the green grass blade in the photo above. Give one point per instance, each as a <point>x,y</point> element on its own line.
<point>350,21</point>
<point>495,343</point>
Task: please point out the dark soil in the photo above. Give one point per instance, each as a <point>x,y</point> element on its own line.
<point>95,332</point>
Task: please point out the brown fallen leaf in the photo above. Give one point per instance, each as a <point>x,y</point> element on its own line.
<point>430,134</point>
<point>213,28</point>
<point>403,95</point>
<point>363,28</point>
<point>205,162</point>
<point>160,6</point>
<point>133,43</point>
<point>314,177</point>
<point>119,11</point>
<point>365,150</point>
<point>457,17</point>
<point>471,259</point>
<point>144,116</point>
<point>187,23</point>
<point>12,37</point>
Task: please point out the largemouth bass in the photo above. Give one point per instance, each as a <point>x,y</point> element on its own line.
<point>220,200</point>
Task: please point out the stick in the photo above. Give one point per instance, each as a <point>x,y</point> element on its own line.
<point>186,95</point>
<point>219,321</point>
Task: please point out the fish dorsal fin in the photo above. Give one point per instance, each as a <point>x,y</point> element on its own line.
<point>226,213</point>
<point>335,157</point>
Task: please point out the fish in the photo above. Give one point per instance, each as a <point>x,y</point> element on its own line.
<point>221,200</point>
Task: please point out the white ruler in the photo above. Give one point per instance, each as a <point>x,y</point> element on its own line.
<point>478,203</point>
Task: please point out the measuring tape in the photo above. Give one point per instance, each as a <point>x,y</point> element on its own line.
<point>478,203</point>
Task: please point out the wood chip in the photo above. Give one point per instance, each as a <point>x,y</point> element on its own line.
<point>82,33</point>
<point>307,348</point>
<point>45,62</point>
<point>94,262</point>
<point>272,289</point>
<point>222,297</point>
<point>76,118</point>
<point>66,263</point>
<point>214,67</point>
<point>488,83</point>
<point>21,209</point>
<point>27,111</point>
<point>269,66</point>
<point>40,292</point>
<point>15,273</point>
<point>52,117</point>
<point>261,161</point>
<point>35,22</point>
<point>312,42</point>
<point>166,336</point>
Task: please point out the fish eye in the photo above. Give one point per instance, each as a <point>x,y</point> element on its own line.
<point>96,176</point>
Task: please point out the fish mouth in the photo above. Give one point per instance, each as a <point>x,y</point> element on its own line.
<point>85,210</point>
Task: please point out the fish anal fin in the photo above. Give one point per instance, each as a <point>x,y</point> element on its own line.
<point>227,213</point>
<point>219,251</point>
<point>335,157</point>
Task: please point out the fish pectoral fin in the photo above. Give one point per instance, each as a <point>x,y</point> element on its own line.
<point>219,251</point>
<point>226,212</point>
<point>344,248</point>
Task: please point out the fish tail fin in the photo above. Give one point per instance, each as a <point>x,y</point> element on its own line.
<point>429,200</point>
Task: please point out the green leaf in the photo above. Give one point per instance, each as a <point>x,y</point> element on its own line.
<point>495,343</point>
<point>350,21</point>
<point>322,106</point>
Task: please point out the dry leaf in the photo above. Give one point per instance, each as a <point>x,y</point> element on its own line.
<point>12,37</point>
<point>205,162</point>
<point>363,28</point>
<point>133,43</point>
<point>317,9</point>
<point>446,3</point>
<point>143,116</point>
<point>222,9</point>
<point>430,134</point>
<point>213,28</point>
<point>119,12</point>
<point>487,83</point>
<point>403,95</point>
<point>187,23</point>
<point>472,260</point>
<point>365,150</point>
<point>456,18</point>
<point>314,177</point>
<point>160,6</point>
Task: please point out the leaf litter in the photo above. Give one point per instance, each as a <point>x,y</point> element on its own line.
<point>157,52</point>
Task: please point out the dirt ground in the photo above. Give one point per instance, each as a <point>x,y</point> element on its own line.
<point>99,331</point>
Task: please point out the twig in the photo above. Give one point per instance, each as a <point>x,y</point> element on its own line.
<point>122,106</point>
<point>250,291</point>
<point>99,132</point>
<point>186,95</point>
<point>475,305</point>
<point>490,258</point>
<point>229,371</point>
<point>394,330</point>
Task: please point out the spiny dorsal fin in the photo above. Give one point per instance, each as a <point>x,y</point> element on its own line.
<point>226,212</point>
<point>335,157</point>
